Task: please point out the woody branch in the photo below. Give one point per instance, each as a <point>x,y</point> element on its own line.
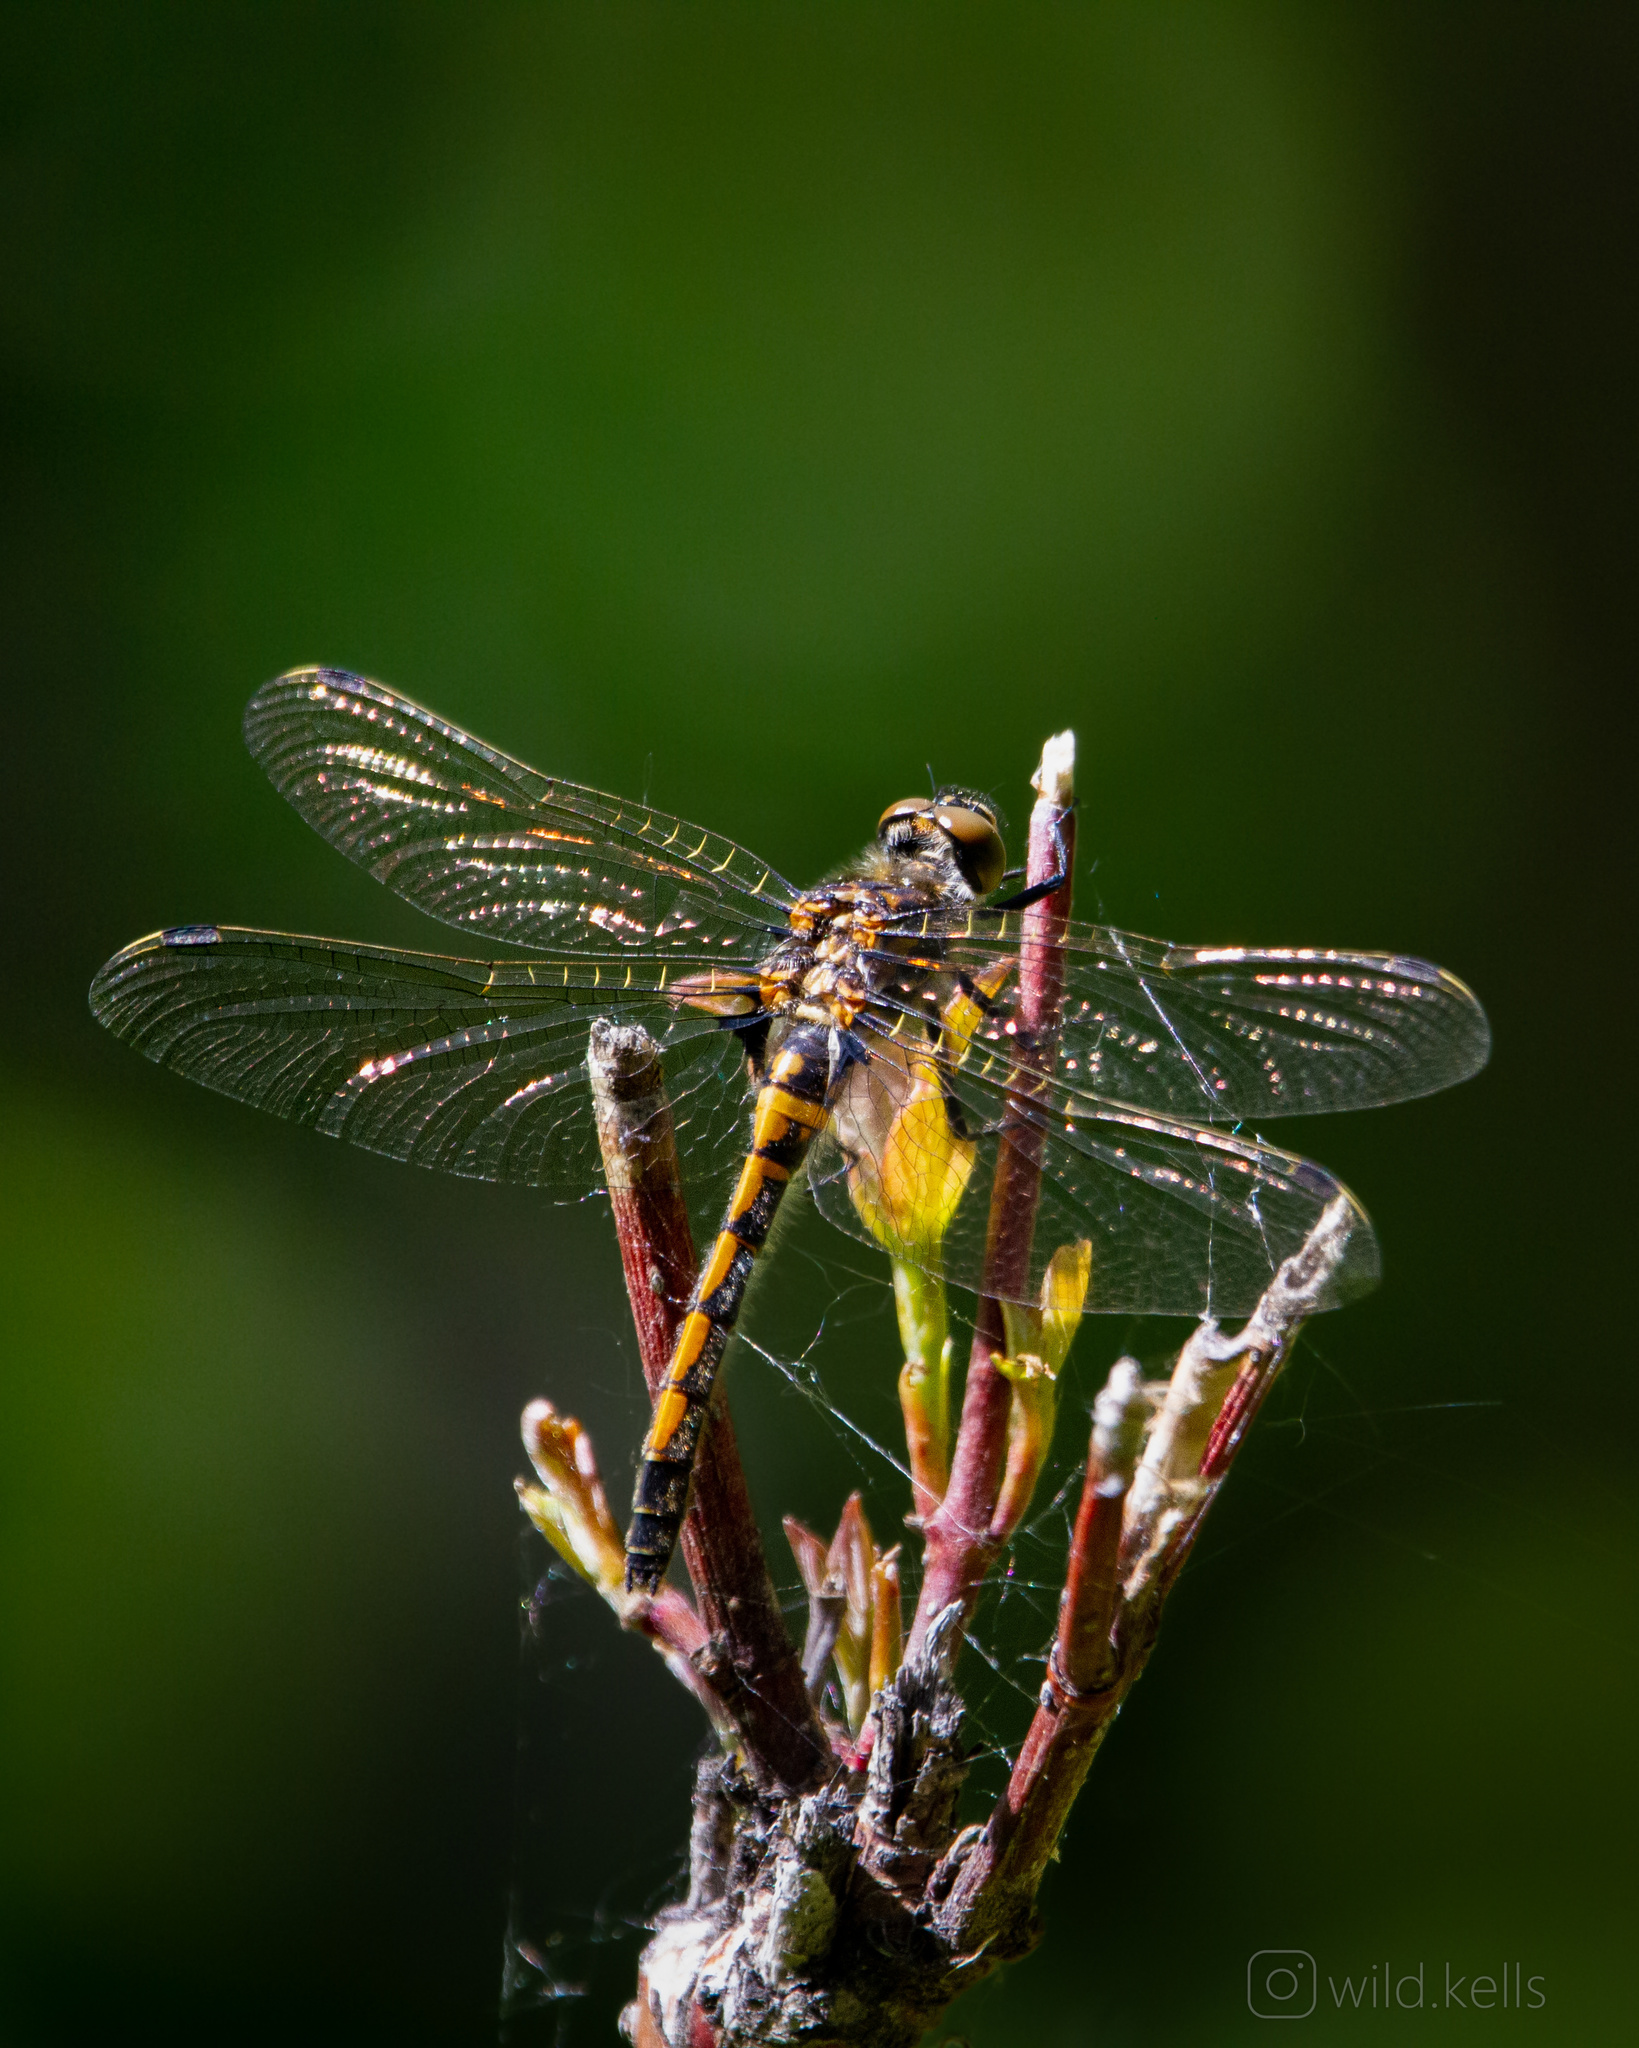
<point>961,1538</point>
<point>749,1657</point>
<point>1142,1505</point>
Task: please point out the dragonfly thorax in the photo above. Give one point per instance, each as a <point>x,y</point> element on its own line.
<point>846,938</point>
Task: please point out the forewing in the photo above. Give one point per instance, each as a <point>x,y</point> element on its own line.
<point>464,1066</point>
<point>1223,1034</point>
<point>481,841</point>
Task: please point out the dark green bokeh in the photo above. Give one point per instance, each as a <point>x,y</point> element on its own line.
<point>749,406</point>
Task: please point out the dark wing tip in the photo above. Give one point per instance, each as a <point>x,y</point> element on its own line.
<point>273,700</point>
<point>112,976</point>
<point>113,980</point>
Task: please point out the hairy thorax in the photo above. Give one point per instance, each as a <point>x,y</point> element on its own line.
<point>846,941</point>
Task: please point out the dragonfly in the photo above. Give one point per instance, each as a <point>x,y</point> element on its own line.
<point>798,1028</point>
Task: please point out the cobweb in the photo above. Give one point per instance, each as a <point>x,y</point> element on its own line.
<point>585,1884</point>
<point>599,1704</point>
<point>572,1950</point>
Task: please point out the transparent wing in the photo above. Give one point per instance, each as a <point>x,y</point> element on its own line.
<point>1218,1034</point>
<point>465,1066</point>
<point>1158,1044</point>
<point>479,840</point>
<point>1182,1219</point>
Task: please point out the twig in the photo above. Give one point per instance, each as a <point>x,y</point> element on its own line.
<point>1081,1657</point>
<point>1000,1872</point>
<point>960,1543</point>
<point>721,1544</point>
<point>571,1511</point>
<point>1135,1526</point>
<point>853,1913</point>
<point>1217,1386</point>
<point>827,1604</point>
<point>924,1384</point>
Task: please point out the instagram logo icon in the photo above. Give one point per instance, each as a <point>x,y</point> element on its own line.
<point>1280,1984</point>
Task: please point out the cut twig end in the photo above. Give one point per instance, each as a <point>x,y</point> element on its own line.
<point>1120,1412</point>
<point>1299,1289</point>
<point>619,1055</point>
<point>943,1642</point>
<point>1055,778</point>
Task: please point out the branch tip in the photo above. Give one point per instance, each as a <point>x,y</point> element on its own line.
<point>961,1538</point>
<point>1120,1411</point>
<point>1055,779</point>
<point>1299,1287</point>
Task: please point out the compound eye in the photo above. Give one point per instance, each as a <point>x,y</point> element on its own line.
<point>979,851</point>
<point>907,807</point>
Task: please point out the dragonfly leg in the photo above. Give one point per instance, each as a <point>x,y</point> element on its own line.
<point>1037,890</point>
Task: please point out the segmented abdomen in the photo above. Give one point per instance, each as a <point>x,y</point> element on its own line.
<point>790,1111</point>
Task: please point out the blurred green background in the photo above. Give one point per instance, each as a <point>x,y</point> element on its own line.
<point>648,388</point>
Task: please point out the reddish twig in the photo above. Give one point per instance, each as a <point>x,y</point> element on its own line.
<point>1203,1445</point>
<point>1083,1688</point>
<point>571,1510</point>
<point>959,1539</point>
<point>1092,1578</point>
<point>758,1671</point>
<point>1138,1519</point>
<point>854,1911</point>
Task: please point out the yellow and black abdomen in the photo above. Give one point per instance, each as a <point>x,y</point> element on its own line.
<point>791,1108</point>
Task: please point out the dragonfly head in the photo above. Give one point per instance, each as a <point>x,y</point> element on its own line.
<point>957,831</point>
